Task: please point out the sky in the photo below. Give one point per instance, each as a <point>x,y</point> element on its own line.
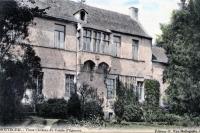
<point>151,12</point>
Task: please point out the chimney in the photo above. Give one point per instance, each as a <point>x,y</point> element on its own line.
<point>133,13</point>
<point>182,4</point>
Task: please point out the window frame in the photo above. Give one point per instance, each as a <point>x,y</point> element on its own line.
<point>109,86</point>
<point>96,38</point>
<point>135,56</point>
<point>39,88</point>
<point>68,91</point>
<point>140,90</point>
<point>85,38</point>
<point>105,42</point>
<point>116,44</point>
<point>58,44</point>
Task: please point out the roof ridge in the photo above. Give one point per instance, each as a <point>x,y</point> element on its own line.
<point>100,8</point>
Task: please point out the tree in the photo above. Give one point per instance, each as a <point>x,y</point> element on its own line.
<point>19,64</point>
<point>181,40</point>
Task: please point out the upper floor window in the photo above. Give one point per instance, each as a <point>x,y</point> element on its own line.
<point>59,36</point>
<point>116,45</point>
<point>110,84</point>
<point>135,46</point>
<point>69,85</point>
<point>97,41</point>
<point>87,37</point>
<point>105,44</point>
<point>82,15</point>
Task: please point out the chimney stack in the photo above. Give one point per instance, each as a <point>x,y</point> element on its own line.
<point>182,4</point>
<point>133,13</point>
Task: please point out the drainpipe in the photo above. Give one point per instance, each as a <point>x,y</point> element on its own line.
<point>79,36</point>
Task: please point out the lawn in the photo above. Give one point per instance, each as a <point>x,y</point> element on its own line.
<point>88,127</point>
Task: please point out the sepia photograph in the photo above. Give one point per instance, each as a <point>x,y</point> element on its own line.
<point>100,66</point>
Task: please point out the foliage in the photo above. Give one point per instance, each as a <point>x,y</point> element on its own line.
<point>91,103</point>
<point>133,113</point>
<point>152,93</point>
<point>15,17</point>
<point>181,40</point>
<point>74,106</point>
<point>16,76</point>
<point>119,109</point>
<point>53,108</point>
<point>126,107</point>
<point>93,111</point>
<point>19,64</point>
<point>119,105</point>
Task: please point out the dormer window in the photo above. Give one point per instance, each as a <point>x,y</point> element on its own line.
<point>81,15</point>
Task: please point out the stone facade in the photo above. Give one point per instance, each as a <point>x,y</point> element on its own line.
<point>70,61</point>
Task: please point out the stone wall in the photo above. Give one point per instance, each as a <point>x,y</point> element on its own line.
<point>58,62</point>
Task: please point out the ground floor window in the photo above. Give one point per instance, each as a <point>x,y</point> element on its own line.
<point>110,85</point>
<point>140,90</point>
<point>69,85</point>
<point>39,83</point>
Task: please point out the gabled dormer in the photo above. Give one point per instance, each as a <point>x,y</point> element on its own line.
<point>81,15</point>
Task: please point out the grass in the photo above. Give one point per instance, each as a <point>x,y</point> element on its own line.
<point>39,122</point>
<point>140,125</point>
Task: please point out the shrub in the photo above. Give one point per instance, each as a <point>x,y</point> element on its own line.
<point>93,111</point>
<point>126,107</point>
<point>53,108</point>
<point>119,110</point>
<point>132,113</point>
<point>91,104</point>
<point>74,106</point>
<point>171,119</point>
<point>153,114</point>
<point>152,92</point>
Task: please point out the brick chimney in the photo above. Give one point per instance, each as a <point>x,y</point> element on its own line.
<point>133,12</point>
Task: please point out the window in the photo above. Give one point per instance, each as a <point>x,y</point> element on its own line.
<point>105,44</point>
<point>139,90</point>
<point>103,68</point>
<point>59,36</point>
<point>116,44</point>
<point>135,49</point>
<point>69,85</point>
<point>39,83</point>
<point>110,84</point>
<point>87,35</point>
<point>88,66</point>
<point>97,42</point>
<point>82,15</point>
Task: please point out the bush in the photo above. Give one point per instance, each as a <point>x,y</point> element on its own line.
<point>126,107</point>
<point>132,113</point>
<point>53,108</point>
<point>74,106</point>
<point>152,92</point>
<point>91,103</point>
<point>93,111</point>
<point>153,114</point>
<point>119,109</point>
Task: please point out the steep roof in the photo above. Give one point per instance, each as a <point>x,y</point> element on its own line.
<point>97,18</point>
<point>159,55</point>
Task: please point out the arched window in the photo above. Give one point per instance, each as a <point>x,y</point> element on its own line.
<point>88,66</point>
<point>103,67</point>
